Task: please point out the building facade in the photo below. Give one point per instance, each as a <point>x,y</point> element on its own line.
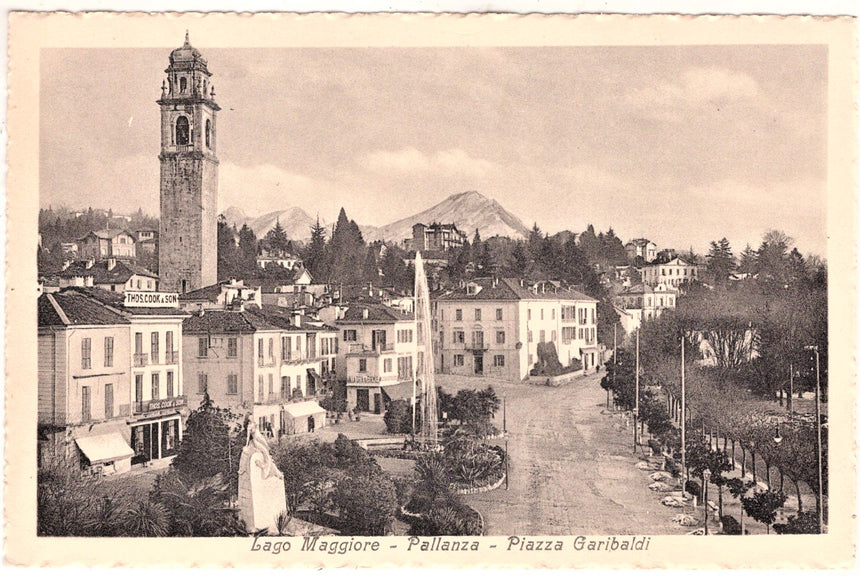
<point>492,327</point>
<point>104,244</point>
<point>673,274</point>
<point>188,234</point>
<point>260,363</point>
<point>641,247</point>
<point>378,352</point>
<point>436,237</point>
<point>110,380</point>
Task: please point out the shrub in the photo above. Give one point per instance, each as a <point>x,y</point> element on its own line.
<point>447,521</point>
<point>398,417</point>
<point>803,523</point>
<point>730,525</point>
<point>367,503</point>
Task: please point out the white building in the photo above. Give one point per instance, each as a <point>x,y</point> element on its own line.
<point>673,273</point>
<point>493,327</point>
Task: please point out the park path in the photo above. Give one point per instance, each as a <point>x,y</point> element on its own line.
<point>572,466</point>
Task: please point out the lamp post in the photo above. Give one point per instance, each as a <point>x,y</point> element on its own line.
<point>505,413</point>
<point>706,477</point>
<point>683,422</point>
<point>820,501</point>
<point>507,458</point>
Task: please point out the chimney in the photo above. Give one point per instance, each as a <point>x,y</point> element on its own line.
<point>201,312</point>
<point>90,262</point>
<point>111,263</point>
<point>66,264</point>
<point>297,318</point>
<point>365,313</point>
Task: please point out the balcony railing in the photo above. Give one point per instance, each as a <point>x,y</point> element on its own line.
<point>365,349</point>
<point>171,357</point>
<point>270,361</point>
<point>141,359</point>
<point>159,404</point>
<point>477,347</point>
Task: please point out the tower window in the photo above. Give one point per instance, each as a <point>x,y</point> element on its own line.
<point>208,130</point>
<point>183,84</point>
<point>182,131</point>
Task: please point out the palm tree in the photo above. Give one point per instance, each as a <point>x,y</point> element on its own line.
<point>146,518</point>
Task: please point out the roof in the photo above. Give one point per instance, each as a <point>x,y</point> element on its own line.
<point>104,447</point>
<point>116,300</point>
<point>72,308</point>
<point>511,289</point>
<point>119,274</point>
<point>645,289</point>
<point>676,261</point>
<point>399,391</point>
<point>226,321</point>
<point>376,313</point>
<point>208,293</point>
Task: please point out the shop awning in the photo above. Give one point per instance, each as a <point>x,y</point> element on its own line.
<point>401,391</point>
<point>300,409</point>
<point>104,447</point>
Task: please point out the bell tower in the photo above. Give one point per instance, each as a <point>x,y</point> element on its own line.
<point>188,235</point>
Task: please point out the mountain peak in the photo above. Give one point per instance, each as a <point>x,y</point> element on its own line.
<point>469,210</point>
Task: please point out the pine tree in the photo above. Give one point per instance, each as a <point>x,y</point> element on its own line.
<point>247,256</point>
<point>276,241</point>
<point>314,255</point>
<point>346,251</point>
<point>721,261</point>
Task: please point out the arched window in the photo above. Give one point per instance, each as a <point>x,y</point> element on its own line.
<point>183,84</point>
<point>182,132</point>
<point>208,130</point>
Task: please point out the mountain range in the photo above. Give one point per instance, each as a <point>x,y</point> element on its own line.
<point>468,210</point>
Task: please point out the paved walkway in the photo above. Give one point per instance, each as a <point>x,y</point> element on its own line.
<point>572,466</point>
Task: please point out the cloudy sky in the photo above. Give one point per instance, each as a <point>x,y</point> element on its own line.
<point>683,145</point>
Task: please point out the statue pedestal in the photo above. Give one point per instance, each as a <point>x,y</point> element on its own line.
<point>261,497</point>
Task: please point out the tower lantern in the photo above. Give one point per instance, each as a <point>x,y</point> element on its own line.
<point>188,235</point>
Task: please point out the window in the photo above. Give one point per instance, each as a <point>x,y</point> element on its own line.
<point>553,313</point>
<point>232,347</point>
<point>477,314</point>
<point>260,387</point>
<point>285,386</point>
<point>202,347</point>
<point>458,359</point>
<point>168,346</point>
<point>498,313</point>
<point>500,337</point>
<point>138,387</point>
<point>271,385</point>
<point>170,384</point>
<point>182,129</point>
<point>208,131</point>
<point>362,364</point>
<point>108,401</point>
<point>155,385</point>
<point>568,334</point>
<point>499,360</point>
<point>553,336</point>
<point>404,367</point>
<point>531,337</point>
<point>299,381</point>
<point>541,313</point>
<point>530,313</point>
<point>183,84</point>
<point>86,353</point>
<point>153,349</point>
<point>349,336</point>
<point>260,349</point>
<point>271,348</point>
<point>531,359</point>
<point>477,339</point>
<point>108,351</point>
<point>458,314</point>
<point>386,365</point>
<point>404,336</point>
<point>202,383</point>
<point>286,347</point>
<point>543,335</point>
<point>86,412</point>
<point>459,337</point>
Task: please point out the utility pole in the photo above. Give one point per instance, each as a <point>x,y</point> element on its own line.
<point>636,402</point>
<point>683,421</point>
<point>614,360</point>
<point>790,404</point>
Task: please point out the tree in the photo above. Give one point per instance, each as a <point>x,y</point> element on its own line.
<point>721,261</point>
<point>275,241</point>
<point>211,445</point>
<point>228,254</point>
<point>398,417</point>
<point>367,502</point>
<point>247,255</point>
<point>306,470</point>
<point>346,251</point>
<point>146,518</point>
<point>194,509</point>
<point>802,523</point>
<point>762,506</point>
<point>314,256</point>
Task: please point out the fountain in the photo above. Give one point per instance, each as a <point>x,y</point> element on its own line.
<point>425,382</point>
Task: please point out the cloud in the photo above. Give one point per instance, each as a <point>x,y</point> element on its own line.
<point>696,89</point>
<point>265,187</point>
<point>409,160</point>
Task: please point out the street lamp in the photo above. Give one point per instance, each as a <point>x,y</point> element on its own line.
<point>706,477</point>
<point>636,404</point>
<point>505,413</point>
<point>820,501</point>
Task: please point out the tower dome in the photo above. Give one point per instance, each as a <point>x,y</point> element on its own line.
<point>187,56</point>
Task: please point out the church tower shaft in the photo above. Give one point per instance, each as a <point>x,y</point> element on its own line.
<point>188,235</point>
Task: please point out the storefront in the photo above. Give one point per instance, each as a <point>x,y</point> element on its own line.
<point>155,439</point>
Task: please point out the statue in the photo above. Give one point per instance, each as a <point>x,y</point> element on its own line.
<point>261,485</point>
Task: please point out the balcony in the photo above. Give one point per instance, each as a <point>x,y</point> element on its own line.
<point>265,362</point>
<point>370,350</point>
<point>171,357</point>
<point>159,404</point>
<point>477,347</point>
<point>141,359</point>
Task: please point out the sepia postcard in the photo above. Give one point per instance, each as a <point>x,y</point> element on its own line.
<point>379,290</point>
